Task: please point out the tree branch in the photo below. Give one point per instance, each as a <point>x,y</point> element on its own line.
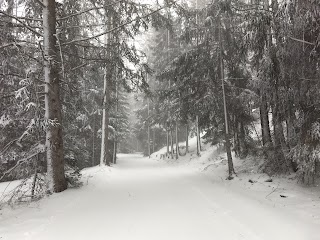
<point>31,19</point>
<point>87,10</point>
<point>77,67</point>
<point>17,164</point>
<point>81,26</point>
<point>18,25</point>
<point>302,41</point>
<point>25,25</point>
<point>78,13</point>
<point>115,28</point>
<point>7,45</point>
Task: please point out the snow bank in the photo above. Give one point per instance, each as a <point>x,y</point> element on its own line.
<point>282,191</point>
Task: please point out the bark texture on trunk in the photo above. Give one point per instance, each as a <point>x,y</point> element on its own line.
<point>54,143</point>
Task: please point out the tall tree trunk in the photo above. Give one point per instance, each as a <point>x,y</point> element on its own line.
<point>8,26</point>
<point>148,134</point>
<point>54,143</point>
<point>198,136</point>
<point>168,141</point>
<point>104,159</point>
<point>264,117</point>
<point>264,109</point>
<point>153,140</point>
<point>291,134</point>
<point>94,139</point>
<point>177,142</point>
<point>187,138</point>
<point>115,142</point>
<point>171,143</point>
<point>279,140</point>
<point>242,141</point>
<point>236,146</point>
<point>227,140</point>
<point>114,152</point>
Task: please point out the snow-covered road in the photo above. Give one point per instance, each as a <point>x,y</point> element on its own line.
<point>142,199</point>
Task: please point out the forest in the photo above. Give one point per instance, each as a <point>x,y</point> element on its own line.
<point>81,81</point>
<point>165,119</point>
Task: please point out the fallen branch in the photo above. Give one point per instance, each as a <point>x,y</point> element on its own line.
<point>208,167</point>
<point>275,189</point>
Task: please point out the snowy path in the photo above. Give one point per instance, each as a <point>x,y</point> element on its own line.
<point>142,199</point>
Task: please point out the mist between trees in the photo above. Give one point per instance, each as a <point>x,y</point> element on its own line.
<point>243,73</point>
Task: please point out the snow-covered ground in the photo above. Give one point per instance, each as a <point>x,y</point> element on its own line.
<point>283,192</point>
<point>188,199</point>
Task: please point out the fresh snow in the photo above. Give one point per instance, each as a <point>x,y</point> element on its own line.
<point>185,199</point>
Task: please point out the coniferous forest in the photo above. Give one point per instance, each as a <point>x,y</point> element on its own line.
<point>81,81</point>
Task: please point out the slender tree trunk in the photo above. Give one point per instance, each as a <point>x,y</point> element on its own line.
<point>168,141</point>
<point>114,152</point>
<point>236,146</point>
<point>291,135</point>
<point>104,159</point>
<point>148,122</point>
<point>153,140</point>
<point>228,147</point>
<point>35,176</point>
<point>54,143</point>
<point>171,143</point>
<point>279,140</point>
<point>168,131</point>
<point>198,136</point>
<point>105,122</point>
<point>8,30</point>
<point>177,142</point>
<point>94,140</point>
<point>280,145</point>
<point>115,142</point>
<point>264,109</point>
<point>187,138</point>
<point>242,141</point>
<point>264,117</point>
